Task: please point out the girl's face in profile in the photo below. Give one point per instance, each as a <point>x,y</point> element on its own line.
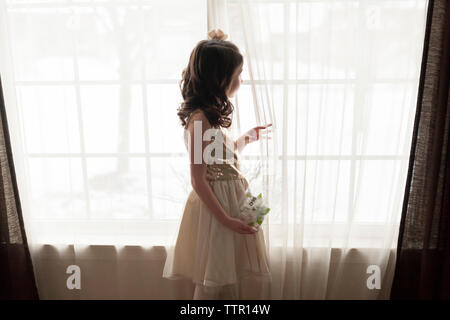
<point>235,82</point>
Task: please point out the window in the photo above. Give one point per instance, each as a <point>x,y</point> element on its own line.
<point>97,88</point>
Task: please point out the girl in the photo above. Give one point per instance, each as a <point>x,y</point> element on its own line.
<point>222,255</point>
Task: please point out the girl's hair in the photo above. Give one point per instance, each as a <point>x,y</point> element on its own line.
<point>206,78</point>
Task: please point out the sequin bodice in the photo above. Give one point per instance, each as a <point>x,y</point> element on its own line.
<point>226,166</point>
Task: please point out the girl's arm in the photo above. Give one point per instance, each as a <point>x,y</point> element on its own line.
<point>241,142</point>
<point>250,136</point>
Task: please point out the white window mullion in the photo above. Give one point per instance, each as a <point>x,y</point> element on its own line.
<point>80,123</point>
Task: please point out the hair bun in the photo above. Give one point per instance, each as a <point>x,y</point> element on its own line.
<point>217,34</point>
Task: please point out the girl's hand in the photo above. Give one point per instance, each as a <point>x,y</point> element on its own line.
<point>252,135</point>
<point>256,133</point>
<point>239,226</point>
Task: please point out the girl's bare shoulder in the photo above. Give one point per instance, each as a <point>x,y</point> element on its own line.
<point>197,115</point>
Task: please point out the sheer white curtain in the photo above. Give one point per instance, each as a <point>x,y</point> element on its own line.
<point>338,80</point>
<point>91,89</point>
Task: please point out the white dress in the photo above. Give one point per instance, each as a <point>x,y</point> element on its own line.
<point>212,255</point>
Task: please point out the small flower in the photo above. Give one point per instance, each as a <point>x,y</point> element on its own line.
<point>253,209</point>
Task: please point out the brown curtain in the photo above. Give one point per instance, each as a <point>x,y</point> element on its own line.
<point>16,271</point>
<point>423,252</point>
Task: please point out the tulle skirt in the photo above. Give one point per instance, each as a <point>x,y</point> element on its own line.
<point>215,257</point>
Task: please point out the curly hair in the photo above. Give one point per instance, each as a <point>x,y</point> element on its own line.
<point>205,80</point>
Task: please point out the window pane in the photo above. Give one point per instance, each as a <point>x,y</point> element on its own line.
<point>117,188</point>
<point>57,188</point>
<point>172,29</point>
<point>113,118</point>
<point>170,178</point>
<point>50,119</point>
<point>165,130</point>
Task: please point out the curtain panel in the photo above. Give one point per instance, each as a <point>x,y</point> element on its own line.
<point>16,269</point>
<point>329,77</point>
<point>423,250</point>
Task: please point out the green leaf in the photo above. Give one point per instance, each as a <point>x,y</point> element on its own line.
<point>260,195</point>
